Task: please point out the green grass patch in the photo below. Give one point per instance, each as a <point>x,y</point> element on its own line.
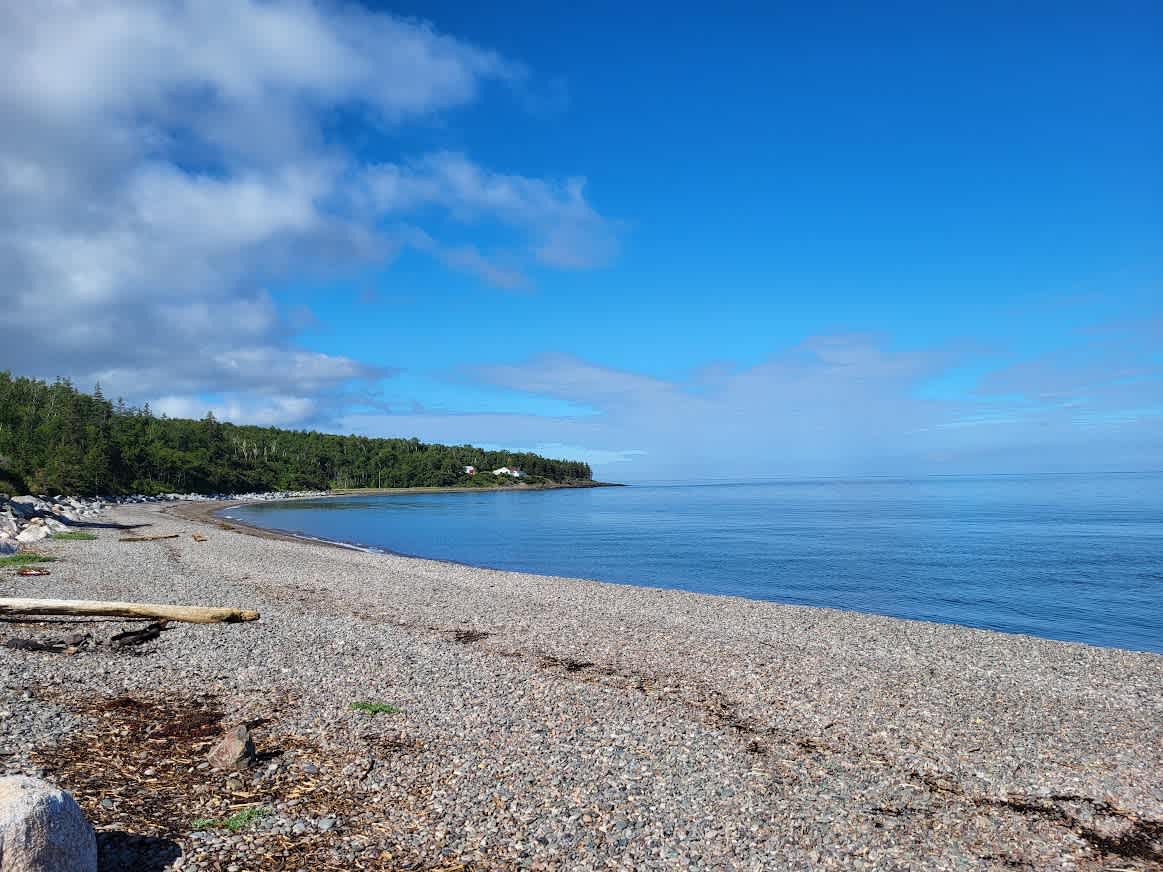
<point>23,558</point>
<point>74,536</point>
<point>375,708</point>
<point>235,823</point>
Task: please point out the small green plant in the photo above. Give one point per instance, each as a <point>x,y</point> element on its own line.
<point>375,708</point>
<point>24,558</point>
<point>235,823</point>
<point>74,536</point>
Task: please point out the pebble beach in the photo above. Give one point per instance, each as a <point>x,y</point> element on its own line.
<point>411,714</point>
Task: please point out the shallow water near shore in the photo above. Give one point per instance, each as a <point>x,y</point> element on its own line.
<point>1071,557</point>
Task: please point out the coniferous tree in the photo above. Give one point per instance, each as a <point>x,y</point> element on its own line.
<point>54,439</point>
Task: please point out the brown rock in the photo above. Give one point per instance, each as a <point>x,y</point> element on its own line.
<point>234,752</point>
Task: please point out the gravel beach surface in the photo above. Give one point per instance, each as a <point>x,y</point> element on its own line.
<point>529,722</point>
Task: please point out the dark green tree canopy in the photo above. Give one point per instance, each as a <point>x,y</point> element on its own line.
<point>55,439</point>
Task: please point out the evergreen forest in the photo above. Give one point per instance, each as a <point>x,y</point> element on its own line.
<point>55,439</point>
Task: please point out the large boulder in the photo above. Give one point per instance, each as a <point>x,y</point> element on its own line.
<point>7,546</point>
<point>32,533</point>
<point>25,507</point>
<point>42,829</point>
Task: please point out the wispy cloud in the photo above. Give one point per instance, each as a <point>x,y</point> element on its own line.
<point>829,405</point>
<point>565,230</point>
<point>465,258</point>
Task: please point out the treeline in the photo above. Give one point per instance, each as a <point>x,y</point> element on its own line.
<point>56,440</point>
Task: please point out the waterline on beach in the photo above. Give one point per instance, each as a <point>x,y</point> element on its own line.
<point>1074,558</point>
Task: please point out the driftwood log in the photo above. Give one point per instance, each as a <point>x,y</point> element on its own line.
<point>149,538</point>
<point>155,611</point>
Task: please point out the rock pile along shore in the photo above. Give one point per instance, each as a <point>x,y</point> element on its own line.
<point>414,714</point>
<point>26,520</point>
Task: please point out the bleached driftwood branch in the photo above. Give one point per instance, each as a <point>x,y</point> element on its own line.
<point>155,611</point>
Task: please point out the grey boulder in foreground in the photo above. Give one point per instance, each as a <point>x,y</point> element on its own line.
<point>42,829</point>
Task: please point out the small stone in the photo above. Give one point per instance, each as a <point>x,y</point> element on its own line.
<point>107,803</point>
<point>236,751</point>
<point>326,824</point>
<point>310,768</point>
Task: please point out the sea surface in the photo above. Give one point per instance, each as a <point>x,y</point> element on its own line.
<point>1071,557</point>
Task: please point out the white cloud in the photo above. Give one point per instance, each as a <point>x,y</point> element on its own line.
<point>86,59</point>
<point>163,163</point>
<point>567,232</point>
<point>465,258</point>
<point>269,411</point>
<point>829,397</point>
<point>566,377</point>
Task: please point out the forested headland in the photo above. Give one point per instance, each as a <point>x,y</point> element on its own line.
<point>54,439</point>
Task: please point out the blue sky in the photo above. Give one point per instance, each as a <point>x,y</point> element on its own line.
<point>815,239</point>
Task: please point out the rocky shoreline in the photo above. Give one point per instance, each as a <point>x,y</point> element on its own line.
<point>26,520</point>
<point>423,715</point>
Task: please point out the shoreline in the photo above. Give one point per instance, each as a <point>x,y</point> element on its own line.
<point>206,511</point>
<point>546,722</point>
<point>455,489</point>
<point>209,513</point>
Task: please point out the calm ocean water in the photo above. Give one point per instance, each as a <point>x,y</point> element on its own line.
<point>1073,557</point>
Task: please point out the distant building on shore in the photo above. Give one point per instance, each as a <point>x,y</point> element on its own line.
<point>505,470</point>
<point>470,470</point>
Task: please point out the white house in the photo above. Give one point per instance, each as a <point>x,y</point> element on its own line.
<point>470,470</point>
<point>505,470</point>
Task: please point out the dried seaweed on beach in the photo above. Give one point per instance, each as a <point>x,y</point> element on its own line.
<point>52,646</point>
<point>136,764</point>
<point>468,637</point>
<point>139,637</point>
